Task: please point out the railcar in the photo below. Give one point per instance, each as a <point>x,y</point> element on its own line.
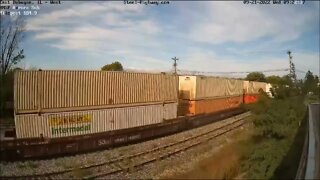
<point>66,112</point>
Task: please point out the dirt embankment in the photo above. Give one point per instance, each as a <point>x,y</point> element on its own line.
<point>222,163</point>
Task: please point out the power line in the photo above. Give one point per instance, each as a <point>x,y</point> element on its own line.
<point>234,72</point>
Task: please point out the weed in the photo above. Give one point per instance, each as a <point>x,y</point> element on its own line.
<point>107,156</point>
<point>31,165</point>
<point>21,165</point>
<point>80,173</point>
<point>67,164</point>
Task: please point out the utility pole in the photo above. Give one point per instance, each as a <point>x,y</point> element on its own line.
<point>290,63</point>
<point>292,73</point>
<point>175,64</point>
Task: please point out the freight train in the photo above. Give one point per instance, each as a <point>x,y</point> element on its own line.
<point>67,112</point>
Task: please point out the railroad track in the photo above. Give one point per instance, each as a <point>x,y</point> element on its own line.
<point>125,163</point>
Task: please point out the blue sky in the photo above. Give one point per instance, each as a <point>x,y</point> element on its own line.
<point>205,36</point>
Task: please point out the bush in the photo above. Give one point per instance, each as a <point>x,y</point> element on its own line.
<point>276,122</point>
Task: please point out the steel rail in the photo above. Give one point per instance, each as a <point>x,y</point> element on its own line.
<point>116,166</point>
<point>172,149</point>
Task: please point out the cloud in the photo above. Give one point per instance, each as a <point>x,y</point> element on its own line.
<point>307,61</point>
<point>142,39</point>
<point>216,64</point>
<point>114,26</point>
<point>236,22</point>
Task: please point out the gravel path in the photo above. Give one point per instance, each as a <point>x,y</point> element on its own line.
<point>52,165</point>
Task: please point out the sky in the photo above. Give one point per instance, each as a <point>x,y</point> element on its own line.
<point>213,36</point>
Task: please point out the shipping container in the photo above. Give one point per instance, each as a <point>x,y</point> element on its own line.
<point>253,87</point>
<point>206,106</point>
<point>268,89</point>
<point>54,125</point>
<point>202,87</point>
<point>41,91</point>
<point>251,98</point>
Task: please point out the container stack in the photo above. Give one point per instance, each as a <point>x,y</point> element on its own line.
<point>68,103</point>
<point>205,95</point>
<point>252,89</point>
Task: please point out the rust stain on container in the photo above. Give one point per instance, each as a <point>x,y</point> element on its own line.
<point>39,90</point>
<point>196,107</point>
<point>53,125</point>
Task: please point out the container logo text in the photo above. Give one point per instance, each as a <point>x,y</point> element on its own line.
<point>61,130</point>
<point>70,120</point>
<point>67,120</point>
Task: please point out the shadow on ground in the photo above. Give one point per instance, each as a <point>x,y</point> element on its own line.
<point>289,165</point>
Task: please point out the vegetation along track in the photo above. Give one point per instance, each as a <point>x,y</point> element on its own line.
<point>126,163</point>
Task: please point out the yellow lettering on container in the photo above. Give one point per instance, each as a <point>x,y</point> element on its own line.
<point>74,119</point>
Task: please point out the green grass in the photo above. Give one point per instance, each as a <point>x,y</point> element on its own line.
<point>313,99</point>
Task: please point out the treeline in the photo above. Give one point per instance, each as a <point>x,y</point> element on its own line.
<point>285,87</point>
<point>6,93</point>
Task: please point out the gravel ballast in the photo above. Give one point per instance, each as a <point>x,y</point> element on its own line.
<point>149,171</point>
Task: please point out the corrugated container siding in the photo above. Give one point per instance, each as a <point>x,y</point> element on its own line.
<point>259,85</point>
<point>64,89</point>
<point>205,106</point>
<point>53,125</point>
<point>253,87</point>
<point>234,87</point>
<point>187,87</point>
<point>210,87</point>
<point>201,87</point>
<point>30,91</point>
<point>268,89</point>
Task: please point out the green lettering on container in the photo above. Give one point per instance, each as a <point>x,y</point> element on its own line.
<point>61,130</point>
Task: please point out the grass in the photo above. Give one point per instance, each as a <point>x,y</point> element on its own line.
<point>67,164</point>
<point>270,151</point>
<point>223,164</point>
<point>107,156</point>
<point>28,164</point>
<point>81,173</point>
<point>313,99</point>
<point>289,165</point>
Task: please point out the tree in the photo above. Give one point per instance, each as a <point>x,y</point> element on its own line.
<point>256,76</point>
<point>283,87</point>
<point>12,33</point>
<point>310,83</point>
<point>287,80</point>
<point>6,93</point>
<point>274,80</point>
<point>115,66</point>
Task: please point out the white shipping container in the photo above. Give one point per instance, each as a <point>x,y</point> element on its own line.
<point>253,87</point>
<point>48,91</point>
<point>268,89</point>
<point>202,87</point>
<point>54,125</point>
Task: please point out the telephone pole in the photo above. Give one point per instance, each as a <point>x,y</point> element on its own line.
<point>292,72</point>
<point>175,64</point>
